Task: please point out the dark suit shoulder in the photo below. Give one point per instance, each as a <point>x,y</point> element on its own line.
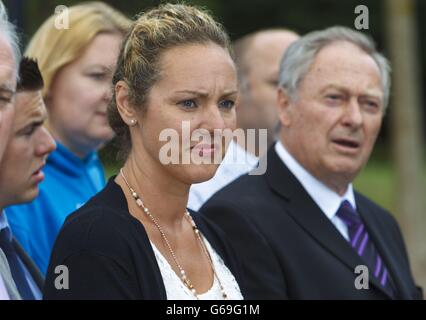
<point>380,214</point>
<point>246,192</point>
<point>245,185</point>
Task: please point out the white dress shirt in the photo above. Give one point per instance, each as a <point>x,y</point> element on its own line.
<point>3,291</point>
<point>235,163</point>
<point>326,199</point>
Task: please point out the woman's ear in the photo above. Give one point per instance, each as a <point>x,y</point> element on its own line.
<point>126,110</point>
<point>284,105</point>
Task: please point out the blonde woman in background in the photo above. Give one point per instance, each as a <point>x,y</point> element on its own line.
<point>77,66</point>
<point>135,239</point>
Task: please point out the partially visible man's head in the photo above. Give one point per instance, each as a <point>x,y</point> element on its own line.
<point>334,88</point>
<point>29,143</point>
<point>8,31</point>
<point>257,57</point>
<point>9,55</point>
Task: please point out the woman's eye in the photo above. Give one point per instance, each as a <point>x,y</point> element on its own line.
<point>97,76</point>
<point>188,104</point>
<point>227,104</point>
<point>29,131</point>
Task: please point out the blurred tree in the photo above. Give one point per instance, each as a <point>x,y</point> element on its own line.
<point>406,129</point>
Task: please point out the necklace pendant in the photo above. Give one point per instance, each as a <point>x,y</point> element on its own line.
<point>139,202</point>
<point>188,284</point>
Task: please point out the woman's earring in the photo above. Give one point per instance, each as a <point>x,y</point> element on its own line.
<point>133,122</point>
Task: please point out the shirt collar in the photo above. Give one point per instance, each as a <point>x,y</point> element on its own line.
<point>66,161</point>
<point>328,200</point>
<point>66,153</point>
<point>235,154</point>
<point>3,221</point>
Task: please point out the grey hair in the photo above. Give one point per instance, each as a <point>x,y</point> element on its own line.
<point>300,54</point>
<point>9,31</point>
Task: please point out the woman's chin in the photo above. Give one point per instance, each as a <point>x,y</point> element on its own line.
<point>201,173</point>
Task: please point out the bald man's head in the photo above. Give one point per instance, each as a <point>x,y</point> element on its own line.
<point>258,57</point>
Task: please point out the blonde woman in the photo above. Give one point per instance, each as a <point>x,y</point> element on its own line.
<point>135,239</point>
<point>77,65</point>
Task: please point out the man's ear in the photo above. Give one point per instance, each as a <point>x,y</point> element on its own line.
<point>126,110</point>
<point>284,105</point>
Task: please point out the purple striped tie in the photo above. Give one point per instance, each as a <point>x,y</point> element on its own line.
<point>362,244</point>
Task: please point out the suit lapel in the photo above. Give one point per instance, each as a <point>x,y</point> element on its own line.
<point>309,216</point>
<point>381,242</point>
<point>29,264</point>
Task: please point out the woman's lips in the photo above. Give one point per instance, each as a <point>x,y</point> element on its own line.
<point>205,149</point>
<point>39,174</point>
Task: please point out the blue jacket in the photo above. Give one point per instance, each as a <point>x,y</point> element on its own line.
<point>69,183</point>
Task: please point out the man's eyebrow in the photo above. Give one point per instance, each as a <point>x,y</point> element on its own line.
<point>333,86</point>
<point>372,95</point>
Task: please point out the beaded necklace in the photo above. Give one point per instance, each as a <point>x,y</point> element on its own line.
<point>184,278</point>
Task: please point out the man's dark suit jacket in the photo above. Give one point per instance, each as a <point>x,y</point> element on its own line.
<point>291,250</point>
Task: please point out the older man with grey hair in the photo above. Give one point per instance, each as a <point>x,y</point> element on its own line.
<point>301,230</point>
<point>9,58</point>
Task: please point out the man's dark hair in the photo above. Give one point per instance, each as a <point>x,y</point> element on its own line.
<point>30,78</point>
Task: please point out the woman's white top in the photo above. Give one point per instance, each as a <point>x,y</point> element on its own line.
<point>176,290</point>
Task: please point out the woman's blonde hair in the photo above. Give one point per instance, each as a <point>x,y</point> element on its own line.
<point>53,47</point>
<point>154,32</point>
